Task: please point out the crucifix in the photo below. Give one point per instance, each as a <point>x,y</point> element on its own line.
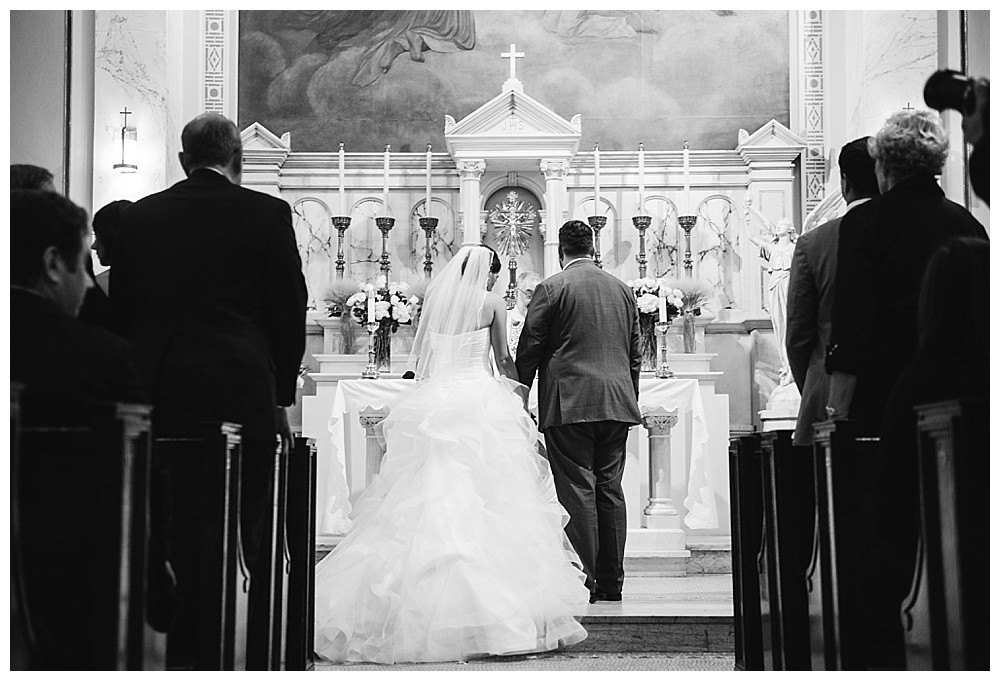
<point>125,113</point>
<point>512,55</point>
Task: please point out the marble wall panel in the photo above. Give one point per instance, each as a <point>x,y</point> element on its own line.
<point>900,52</point>
<point>131,70</point>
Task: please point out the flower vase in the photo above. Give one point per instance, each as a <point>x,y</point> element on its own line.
<point>383,338</point>
<point>690,344</point>
<point>647,341</point>
<point>347,332</point>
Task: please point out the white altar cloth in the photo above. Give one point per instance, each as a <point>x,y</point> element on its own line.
<point>682,394</point>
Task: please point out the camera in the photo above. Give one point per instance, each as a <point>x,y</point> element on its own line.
<point>947,89</point>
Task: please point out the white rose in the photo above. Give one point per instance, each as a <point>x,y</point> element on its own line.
<point>381,309</point>
<point>414,300</point>
<point>648,303</point>
<point>401,313</point>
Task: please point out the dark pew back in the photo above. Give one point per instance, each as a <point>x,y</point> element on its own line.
<point>301,524</point>
<point>746,509</point>
<point>787,492</point>
<point>844,461</point>
<point>946,615</point>
<point>81,487</point>
<point>206,548</point>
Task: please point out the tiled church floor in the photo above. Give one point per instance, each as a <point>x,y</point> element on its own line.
<point>678,599</point>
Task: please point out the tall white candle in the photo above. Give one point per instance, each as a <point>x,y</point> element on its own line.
<point>371,304</point>
<point>340,159</point>
<point>642,180</point>
<point>597,180</point>
<point>663,304</point>
<point>385,182</point>
<point>427,206</point>
<point>687,180</point>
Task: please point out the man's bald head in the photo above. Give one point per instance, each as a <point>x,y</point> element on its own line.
<point>211,141</point>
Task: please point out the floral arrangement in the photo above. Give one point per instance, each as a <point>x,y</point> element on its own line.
<point>392,306</point>
<point>415,295</point>
<point>337,296</point>
<point>647,297</point>
<point>695,294</point>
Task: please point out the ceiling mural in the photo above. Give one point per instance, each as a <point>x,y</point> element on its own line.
<point>375,77</point>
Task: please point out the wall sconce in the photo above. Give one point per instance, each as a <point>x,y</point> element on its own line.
<point>128,146</point>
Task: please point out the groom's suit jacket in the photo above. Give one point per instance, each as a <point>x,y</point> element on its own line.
<point>208,280</point>
<point>581,335</point>
<point>810,305</point>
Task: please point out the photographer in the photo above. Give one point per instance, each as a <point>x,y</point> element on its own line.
<point>947,89</point>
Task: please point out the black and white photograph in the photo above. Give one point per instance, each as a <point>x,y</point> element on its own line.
<point>499,340</point>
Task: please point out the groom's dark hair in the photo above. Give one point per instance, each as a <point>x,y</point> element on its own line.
<point>576,238</point>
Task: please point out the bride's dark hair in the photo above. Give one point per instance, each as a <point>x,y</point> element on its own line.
<point>495,265</point>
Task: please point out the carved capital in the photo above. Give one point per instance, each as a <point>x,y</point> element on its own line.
<point>554,169</point>
<point>371,419</point>
<point>471,170</point>
<point>659,423</point>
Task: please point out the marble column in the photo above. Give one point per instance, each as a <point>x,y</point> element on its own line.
<point>554,171</point>
<point>470,172</point>
<point>660,512</point>
<point>371,420</point>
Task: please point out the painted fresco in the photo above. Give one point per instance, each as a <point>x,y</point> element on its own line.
<point>373,77</point>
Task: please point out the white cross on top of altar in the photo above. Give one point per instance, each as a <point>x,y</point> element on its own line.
<point>513,56</point>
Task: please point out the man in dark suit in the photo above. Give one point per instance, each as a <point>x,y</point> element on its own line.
<point>581,335</point>
<point>810,291</point>
<point>883,249</point>
<point>207,278</point>
<point>61,362</point>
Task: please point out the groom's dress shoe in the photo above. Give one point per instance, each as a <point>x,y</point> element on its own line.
<point>602,596</point>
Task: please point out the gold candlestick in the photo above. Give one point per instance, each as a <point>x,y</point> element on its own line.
<point>428,224</point>
<point>341,223</point>
<point>642,223</point>
<point>687,223</point>
<point>371,371</point>
<point>662,370</point>
<point>597,223</point>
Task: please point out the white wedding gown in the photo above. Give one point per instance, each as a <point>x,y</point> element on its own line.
<point>457,548</point>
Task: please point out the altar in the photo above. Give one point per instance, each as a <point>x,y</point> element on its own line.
<point>673,483</point>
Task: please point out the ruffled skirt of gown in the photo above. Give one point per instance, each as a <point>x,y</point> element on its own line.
<point>457,548</point>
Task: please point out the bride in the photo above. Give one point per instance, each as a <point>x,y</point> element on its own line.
<point>457,548</point>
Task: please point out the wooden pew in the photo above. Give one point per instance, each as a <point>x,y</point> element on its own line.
<point>746,514</point>
<point>82,493</point>
<point>301,533</point>
<point>275,564</point>
<point>787,503</point>
<point>946,615</point>
<point>22,638</point>
<point>206,548</point>
<point>843,461</point>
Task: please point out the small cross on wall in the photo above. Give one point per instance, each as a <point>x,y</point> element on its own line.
<point>513,56</point>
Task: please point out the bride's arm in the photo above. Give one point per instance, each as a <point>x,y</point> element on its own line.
<point>498,340</point>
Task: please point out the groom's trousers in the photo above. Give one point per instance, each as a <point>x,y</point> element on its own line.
<point>587,461</point>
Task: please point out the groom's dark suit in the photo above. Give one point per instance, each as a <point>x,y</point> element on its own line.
<point>207,277</point>
<point>581,334</point>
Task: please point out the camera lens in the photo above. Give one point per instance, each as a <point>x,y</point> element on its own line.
<point>948,89</point>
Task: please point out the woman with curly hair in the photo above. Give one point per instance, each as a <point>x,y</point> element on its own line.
<point>883,251</point>
<point>884,247</point>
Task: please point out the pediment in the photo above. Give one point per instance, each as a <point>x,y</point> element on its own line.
<point>257,137</point>
<point>771,134</point>
<point>534,117</point>
<point>512,124</point>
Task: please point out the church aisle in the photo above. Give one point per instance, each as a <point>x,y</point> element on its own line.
<point>563,661</point>
<point>661,624</point>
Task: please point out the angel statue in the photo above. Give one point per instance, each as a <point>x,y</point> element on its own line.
<point>777,247</point>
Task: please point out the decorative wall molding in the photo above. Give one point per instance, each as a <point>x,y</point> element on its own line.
<point>215,78</point>
<point>814,169</point>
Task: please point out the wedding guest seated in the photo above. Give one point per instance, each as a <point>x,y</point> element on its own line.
<point>50,350</point>
<point>96,308</point>
<point>60,361</point>
<point>26,176</point>
<point>952,361</point>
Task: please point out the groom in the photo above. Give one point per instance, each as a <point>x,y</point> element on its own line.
<point>581,334</point>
